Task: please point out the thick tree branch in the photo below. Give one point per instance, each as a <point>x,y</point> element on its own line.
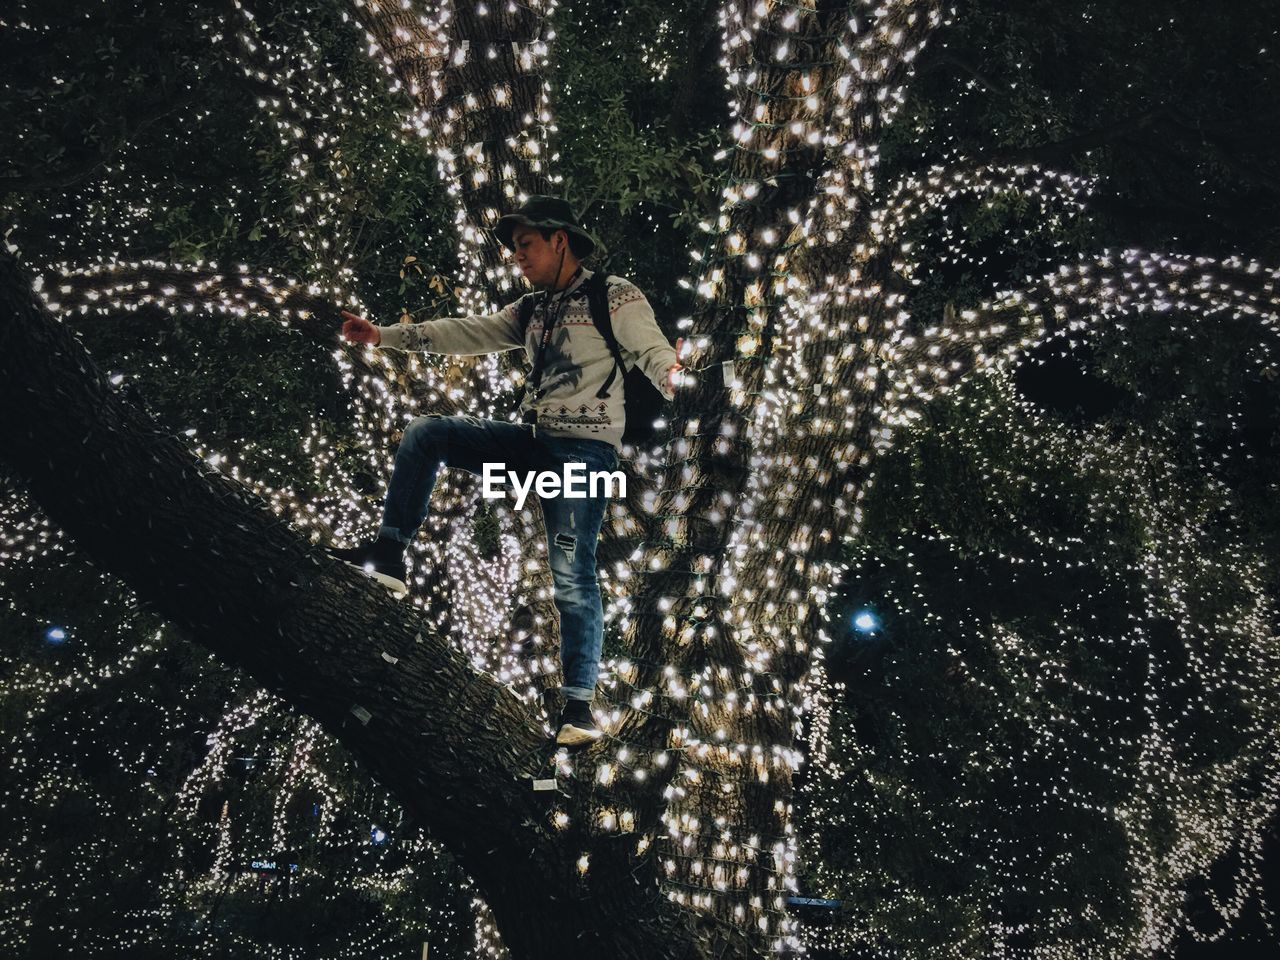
<point>474,81</point>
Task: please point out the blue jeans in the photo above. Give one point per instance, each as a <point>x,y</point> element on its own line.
<point>573,524</point>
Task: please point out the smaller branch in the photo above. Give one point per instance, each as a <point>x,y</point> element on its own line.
<point>884,56</point>
<point>935,189</point>
<point>913,196</point>
<point>112,287</point>
<point>1074,301</point>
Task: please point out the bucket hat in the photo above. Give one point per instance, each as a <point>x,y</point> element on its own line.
<point>546,213</point>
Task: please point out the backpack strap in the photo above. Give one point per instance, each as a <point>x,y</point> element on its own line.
<point>525,308</point>
<point>597,289</point>
<point>524,313</point>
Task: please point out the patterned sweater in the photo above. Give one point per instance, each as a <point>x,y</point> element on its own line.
<point>577,360</point>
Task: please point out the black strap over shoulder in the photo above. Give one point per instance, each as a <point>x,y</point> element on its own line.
<point>596,288</point>
<point>524,311</point>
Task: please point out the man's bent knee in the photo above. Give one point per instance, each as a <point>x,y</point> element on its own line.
<point>428,429</point>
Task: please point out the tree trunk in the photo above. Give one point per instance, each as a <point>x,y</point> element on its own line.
<point>453,746</point>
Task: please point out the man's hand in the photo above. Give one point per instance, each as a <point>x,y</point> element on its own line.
<point>359,330</point>
<point>677,376</point>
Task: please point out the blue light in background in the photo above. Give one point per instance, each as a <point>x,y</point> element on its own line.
<point>864,621</point>
<point>376,835</point>
<point>55,635</point>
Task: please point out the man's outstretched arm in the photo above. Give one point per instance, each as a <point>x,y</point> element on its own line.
<point>457,336</point>
<point>638,333</point>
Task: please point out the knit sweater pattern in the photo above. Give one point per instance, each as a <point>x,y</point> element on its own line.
<point>577,361</point>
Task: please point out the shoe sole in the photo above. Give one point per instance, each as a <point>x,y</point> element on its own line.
<point>571,736</point>
<point>397,587</point>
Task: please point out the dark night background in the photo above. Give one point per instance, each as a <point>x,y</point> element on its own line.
<point>133,135</point>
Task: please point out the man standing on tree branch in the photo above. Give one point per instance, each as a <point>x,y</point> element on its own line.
<point>577,329</point>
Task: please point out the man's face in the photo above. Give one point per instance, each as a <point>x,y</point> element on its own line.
<point>537,257</point>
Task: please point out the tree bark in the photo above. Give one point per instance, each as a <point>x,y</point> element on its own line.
<point>455,747</point>
<point>743,650</point>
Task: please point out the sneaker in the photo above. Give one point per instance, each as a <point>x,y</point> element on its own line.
<point>577,726</point>
<point>382,559</point>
